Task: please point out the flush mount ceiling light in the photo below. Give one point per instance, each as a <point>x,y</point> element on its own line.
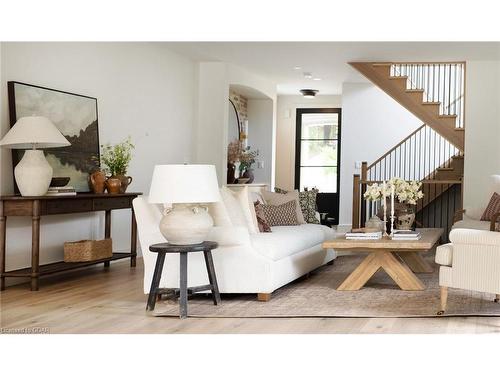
<point>309,93</point>
<point>316,79</point>
<point>297,67</point>
<point>308,75</point>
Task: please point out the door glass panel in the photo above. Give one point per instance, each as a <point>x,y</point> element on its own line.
<point>319,126</point>
<point>324,178</point>
<point>318,153</point>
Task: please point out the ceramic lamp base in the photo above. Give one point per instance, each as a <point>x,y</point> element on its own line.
<point>186,224</point>
<point>33,174</point>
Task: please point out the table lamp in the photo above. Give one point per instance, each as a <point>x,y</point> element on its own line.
<point>185,187</point>
<point>33,173</point>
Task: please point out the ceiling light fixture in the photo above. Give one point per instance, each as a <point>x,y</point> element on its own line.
<point>297,67</point>
<point>308,75</point>
<point>316,79</point>
<point>309,93</point>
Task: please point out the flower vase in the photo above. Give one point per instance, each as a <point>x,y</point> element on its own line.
<point>249,174</point>
<point>405,217</point>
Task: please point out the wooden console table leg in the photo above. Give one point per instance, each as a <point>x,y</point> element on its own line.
<point>35,245</point>
<point>3,239</point>
<point>133,240</point>
<point>107,229</point>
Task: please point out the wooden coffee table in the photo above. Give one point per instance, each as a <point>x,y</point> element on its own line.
<point>401,259</point>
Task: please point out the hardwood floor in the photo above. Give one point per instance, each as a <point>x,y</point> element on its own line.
<point>112,301</point>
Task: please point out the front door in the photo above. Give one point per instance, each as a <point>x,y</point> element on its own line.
<point>317,156</point>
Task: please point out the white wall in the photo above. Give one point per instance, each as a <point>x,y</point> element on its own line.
<point>372,123</point>
<point>285,132</point>
<point>260,136</point>
<point>143,90</point>
<point>482,130</point>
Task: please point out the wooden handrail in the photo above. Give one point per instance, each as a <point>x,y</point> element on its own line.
<point>395,147</point>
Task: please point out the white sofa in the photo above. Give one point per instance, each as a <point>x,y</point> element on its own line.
<point>245,263</point>
<point>471,262</point>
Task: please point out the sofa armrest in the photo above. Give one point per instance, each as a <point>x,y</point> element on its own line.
<point>475,237</point>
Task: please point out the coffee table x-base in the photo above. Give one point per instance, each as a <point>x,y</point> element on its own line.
<point>400,259</point>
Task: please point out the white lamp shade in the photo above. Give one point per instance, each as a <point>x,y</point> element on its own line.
<point>189,183</point>
<point>34,131</point>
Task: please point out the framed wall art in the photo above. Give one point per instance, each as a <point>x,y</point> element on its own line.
<point>74,115</point>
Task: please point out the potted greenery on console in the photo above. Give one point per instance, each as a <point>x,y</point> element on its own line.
<point>115,160</point>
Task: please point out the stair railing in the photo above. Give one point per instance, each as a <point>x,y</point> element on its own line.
<point>414,158</point>
<point>441,82</point>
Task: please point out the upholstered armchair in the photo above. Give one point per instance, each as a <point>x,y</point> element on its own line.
<point>471,262</point>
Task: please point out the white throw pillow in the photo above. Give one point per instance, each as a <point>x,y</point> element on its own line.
<point>277,199</point>
<point>244,198</point>
<point>233,207</point>
<point>219,213</point>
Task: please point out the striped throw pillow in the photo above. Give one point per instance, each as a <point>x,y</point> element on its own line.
<point>282,215</point>
<point>492,208</point>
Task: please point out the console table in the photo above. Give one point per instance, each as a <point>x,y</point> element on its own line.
<point>16,205</point>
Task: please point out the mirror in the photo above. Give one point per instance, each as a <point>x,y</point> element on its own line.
<point>233,123</point>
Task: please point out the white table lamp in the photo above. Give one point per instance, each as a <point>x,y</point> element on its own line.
<point>33,173</point>
<point>185,187</point>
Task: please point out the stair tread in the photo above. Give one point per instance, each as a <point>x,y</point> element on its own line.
<point>415,90</point>
<point>448,116</point>
<point>445,169</point>
<point>457,157</point>
<point>431,103</point>
<point>460,129</point>
<point>398,77</point>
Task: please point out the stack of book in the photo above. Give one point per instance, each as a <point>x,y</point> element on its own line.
<point>64,190</point>
<point>408,235</point>
<point>363,235</point>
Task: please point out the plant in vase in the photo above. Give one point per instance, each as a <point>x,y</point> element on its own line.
<point>406,196</point>
<point>247,159</point>
<point>116,159</point>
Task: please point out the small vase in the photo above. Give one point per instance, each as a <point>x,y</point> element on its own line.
<point>125,182</point>
<point>249,174</point>
<point>113,185</point>
<point>405,217</point>
<point>230,173</point>
<point>97,182</point>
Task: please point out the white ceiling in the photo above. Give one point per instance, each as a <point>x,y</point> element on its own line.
<point>327,60</point>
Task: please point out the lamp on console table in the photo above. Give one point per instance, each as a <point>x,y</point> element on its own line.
<point>185,187</point>
<point>33,173</point>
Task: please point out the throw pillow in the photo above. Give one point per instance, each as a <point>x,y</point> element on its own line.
<point>261,218</point>
<point>307,202</point>
<point>275,199</point>
<point>492,208</point>
<point>282,215</point>
<point>233,207</point>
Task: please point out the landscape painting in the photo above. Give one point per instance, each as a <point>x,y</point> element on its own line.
<point>74,115</point>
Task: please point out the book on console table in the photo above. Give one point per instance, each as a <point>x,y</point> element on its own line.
<point>58,191</point>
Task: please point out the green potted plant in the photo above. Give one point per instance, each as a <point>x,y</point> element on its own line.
<point>115,160</point>
<point>247,159</point>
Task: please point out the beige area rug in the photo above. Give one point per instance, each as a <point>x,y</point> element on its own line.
<point>316,296</point>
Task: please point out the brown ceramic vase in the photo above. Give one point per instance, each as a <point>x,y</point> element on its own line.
<point>113,185</point>
<point>97,182</point>
<point>125,182</point>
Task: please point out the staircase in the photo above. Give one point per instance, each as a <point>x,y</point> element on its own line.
<point>433,92</point>
<point>433,153</point>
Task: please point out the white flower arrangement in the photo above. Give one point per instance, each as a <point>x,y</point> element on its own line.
<point>405,191</point>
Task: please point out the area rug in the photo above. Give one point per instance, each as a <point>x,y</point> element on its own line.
<point>316,296</point>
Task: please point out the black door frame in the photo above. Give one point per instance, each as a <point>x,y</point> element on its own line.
<point>324,199</point>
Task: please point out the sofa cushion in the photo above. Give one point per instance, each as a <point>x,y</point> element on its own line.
<point>492,208</point>
<point>444,254</point>
<point>288,240</point>
<point>280,197</point>
<point>468,223</point>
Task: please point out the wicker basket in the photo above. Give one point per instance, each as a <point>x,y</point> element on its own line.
<point>87,250</point>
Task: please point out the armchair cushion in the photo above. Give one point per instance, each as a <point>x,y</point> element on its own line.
<point>444,254</point>
<point>475,237</point>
